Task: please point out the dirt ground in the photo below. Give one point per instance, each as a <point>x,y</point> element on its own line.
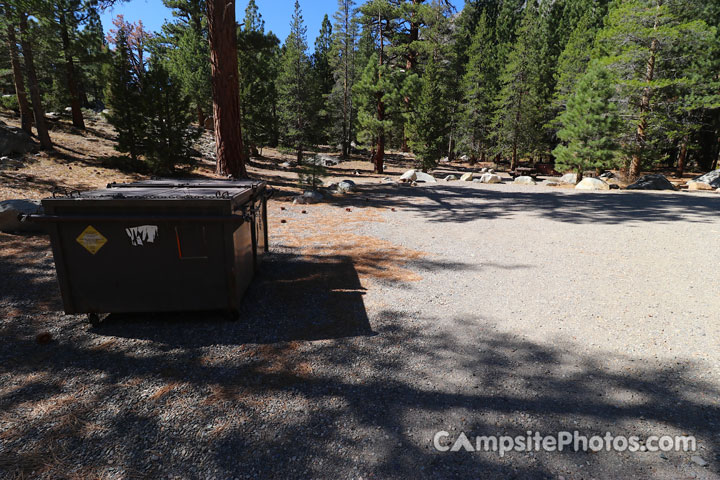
<point>378,319</point>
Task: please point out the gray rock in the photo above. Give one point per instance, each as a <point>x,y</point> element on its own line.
<point>490,178</point>
<point>327,160</point>
<point>346,186</point>
<point>15,140</point>
<point>409,176</point>
<point>570,178</point>
<point>52,115</point>
<point>652,182</point>
<point>450,178</point>
<point>554,184</point>
<point>387,180</point>
<point>590,183</point>
<point>5,159</point>
<point>490,170</point>
<point>309,196</point>
<point>444,160</point>
<point>711,178</point>
<point>467,177</point>
<point>524,180</point>
<point>424,177</point>
<point>483,170</point>
<point>699,460</point>
<point>696,185</point>
<point>464,158</point>
<point>607,175</point>
<point>68,109</point>
<point>289,164</point>
<point>9,211</point>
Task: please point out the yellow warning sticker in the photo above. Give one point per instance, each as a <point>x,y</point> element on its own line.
<point>91,239</point>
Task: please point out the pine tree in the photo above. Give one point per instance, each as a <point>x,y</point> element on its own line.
<point>518,109</point>
<point>479,89</point>
<point>590,124</point>
<point>322,83</point>
<point>657,54</point>
<point>258,54</point>
<point>378,88</point>
<point>168,137</point>
<point>188,58</point>
<point>311,174</point>
<point>126,101</point>
<point>343,59</point>
<point>26,116</point>
<point>429,123</point>
<point>293,84</point>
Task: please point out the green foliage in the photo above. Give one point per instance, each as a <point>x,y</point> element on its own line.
<point>343,60</point>
<point>518,107</point>
<point>663,61</point>
<point>322,84</point>
<point>378,85</point>
<point>9,102</point>
<point>590,124</point>
<point>479,88</point>
<point>126,101</point>
<point>258,61</point>
<point>311,174</point>
<point>429,122</point>
<point>168,138</point>
<point>293,85</point>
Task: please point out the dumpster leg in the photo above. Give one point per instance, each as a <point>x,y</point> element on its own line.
<point>93,319</point>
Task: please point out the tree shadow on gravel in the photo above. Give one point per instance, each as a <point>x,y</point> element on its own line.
<point>466,203</point>
<point>292,298</point>
<point>347,408</point>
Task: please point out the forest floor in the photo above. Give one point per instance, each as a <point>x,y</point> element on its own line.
<point>378,319</point>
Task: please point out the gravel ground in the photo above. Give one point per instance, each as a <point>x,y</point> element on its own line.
<point>494,309</point>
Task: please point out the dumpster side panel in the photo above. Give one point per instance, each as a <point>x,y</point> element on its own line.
<point>123,276</point>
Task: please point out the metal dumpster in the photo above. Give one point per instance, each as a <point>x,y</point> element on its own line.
<point>258,202</point>
<point>152,248</point>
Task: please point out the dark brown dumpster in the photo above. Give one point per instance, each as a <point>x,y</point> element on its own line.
<point>152,248</point>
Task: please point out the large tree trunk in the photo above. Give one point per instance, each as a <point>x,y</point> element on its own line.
<point>25,113</point>
<point>77,116</point>
<point>225,88</point>
<point>682,157</point>
<point>40,123</point>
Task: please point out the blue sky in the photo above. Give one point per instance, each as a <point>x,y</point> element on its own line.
<point>276,14</point>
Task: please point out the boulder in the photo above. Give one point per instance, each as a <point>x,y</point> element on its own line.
<point>68,109</point>
<point>15,140</point>
<point>409,176</point>
<point>387,180</point>
<point>9,211</point>
<point>289,164</point>
<point>569,178</point>
<point>326,160</point>
<point>52,115</point>
<point>464,158</point>
<point>346,186</point>
<point>444,160</point>
<point>652,182</point>
<point>483,170</point>
<point>309,196</point>
<point>467,177</point>
<point>490,178</point>
<point>424,177</point>
<point>590,183</point>
<point>711,178</point>
<point>524,180</point>
<point>451,178</point>
<point>490,170</point>
<point>607,175</point>
<point>695,185</point>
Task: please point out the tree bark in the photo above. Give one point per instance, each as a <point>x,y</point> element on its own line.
<point>225,88</point>
<point>379,158</point>
<point>40,123</point>
<point>77,116</point>
<point>26,119</point>
<point>682,157</point>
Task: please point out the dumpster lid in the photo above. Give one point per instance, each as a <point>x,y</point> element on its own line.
<point>161,193</point>
<point>190,182</point>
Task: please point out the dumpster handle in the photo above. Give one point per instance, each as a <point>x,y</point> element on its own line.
<point>131,218</point>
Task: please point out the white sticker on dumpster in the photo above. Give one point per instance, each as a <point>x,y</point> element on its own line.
<point>142,235</point>
<point>91,239</point>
